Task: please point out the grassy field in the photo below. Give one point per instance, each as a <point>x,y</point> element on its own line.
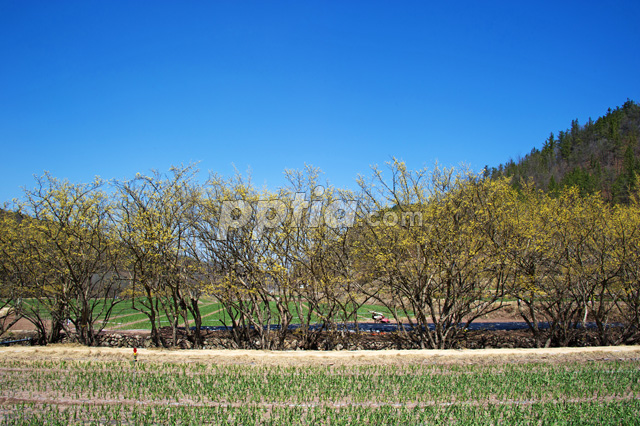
<point>125,317</point>
<point>103,386</point>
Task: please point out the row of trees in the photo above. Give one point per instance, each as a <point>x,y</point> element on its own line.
<point>438,249</point>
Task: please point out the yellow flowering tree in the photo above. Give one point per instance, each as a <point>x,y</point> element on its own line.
<point>69,261</point>
<point>427,246</point>
<point>155,228</point>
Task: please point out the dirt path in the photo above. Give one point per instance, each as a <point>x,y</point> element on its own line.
<point>61,401</point>
<point>204,316</point>
<point>180,324</point>
<point>125,324</point>
<point>254,357</point>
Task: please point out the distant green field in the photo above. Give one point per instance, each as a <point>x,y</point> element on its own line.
<point>125,317</point>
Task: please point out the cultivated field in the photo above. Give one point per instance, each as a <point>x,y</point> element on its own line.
<point>124,317</point>
<point>65,384</point>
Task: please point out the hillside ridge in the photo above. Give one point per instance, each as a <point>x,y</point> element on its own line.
<point>599,156</point>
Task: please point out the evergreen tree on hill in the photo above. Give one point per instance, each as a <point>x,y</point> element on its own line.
<point>599,156</point>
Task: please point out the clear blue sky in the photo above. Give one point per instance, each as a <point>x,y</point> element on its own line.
<point>112,88</point>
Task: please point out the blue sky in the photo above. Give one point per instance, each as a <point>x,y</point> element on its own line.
<point>112,88</point>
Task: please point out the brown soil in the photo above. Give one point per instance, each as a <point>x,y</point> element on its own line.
<point>22,325</point>
<point>65,402</point>
<point>73,352</point>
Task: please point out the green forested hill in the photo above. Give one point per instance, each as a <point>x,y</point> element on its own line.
<point>601,155</point>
